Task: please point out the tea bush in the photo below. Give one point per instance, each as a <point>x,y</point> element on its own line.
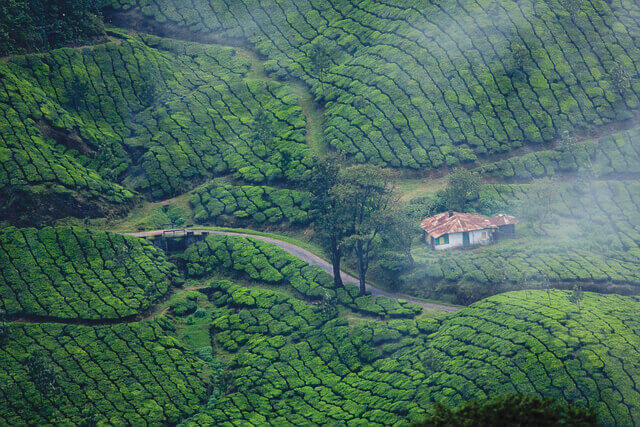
<point>124,374</point>
<point>258,204</point>
<point>74,273</point>
<point>424,84</point>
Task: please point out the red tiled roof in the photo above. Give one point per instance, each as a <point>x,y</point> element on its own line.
<point>503,219</point>
<point>457,222</point>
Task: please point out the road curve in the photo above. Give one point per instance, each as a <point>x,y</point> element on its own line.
<point>308,257</point>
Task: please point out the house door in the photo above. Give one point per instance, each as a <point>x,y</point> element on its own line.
<point>465,238</point>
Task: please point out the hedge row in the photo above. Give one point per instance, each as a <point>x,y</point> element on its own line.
<point>258,204</point>
<point>126,374</point>
<point>291,365</point>
<point>267,263</point>
<point>533,343</point>
<point>73,273</point>
<point>426,84</point>
<point>613,155</point>
<point>156,114</point>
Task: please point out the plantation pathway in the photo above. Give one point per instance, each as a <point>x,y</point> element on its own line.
<point>311,259</point>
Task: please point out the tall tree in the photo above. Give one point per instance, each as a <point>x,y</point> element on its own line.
<point>366,195</point>
<point>463,186</point>
<point>330,223</point>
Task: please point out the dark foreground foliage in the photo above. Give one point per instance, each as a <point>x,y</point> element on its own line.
<point>510,410</point>
<point>37,25</point>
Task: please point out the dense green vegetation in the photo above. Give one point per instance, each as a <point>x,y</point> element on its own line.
<point>73,273</point>
<point>611,156</point>
<point>514,409</point>
<point>291,365</point>
<point>589,235</point>
<point>228,204</point>
<point>542,343</point>
<point>154,114</point>
<point>123,374</point>
<point>425,84</point>
<point>40,25</point>
<point>537,99</point>
<point>270,264</point>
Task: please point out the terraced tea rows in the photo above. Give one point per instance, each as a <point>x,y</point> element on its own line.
<point>612,207</point>
<point>531,342</point>
<point>258,204</point>
<point>291,365</point>
<point>267,263</point>
<point>425,84</point>
<point>614,155</point>
<point>155,114</point>
<point>73,273</point>
<point>123,374</point>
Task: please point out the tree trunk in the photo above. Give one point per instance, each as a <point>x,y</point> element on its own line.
<point>362,267</point>
<point>335,261</point>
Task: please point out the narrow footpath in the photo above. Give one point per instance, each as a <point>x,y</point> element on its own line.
<point>311,259</point>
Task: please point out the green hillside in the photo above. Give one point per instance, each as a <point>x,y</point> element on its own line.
<point>276,346</point>
<point>323,131</point>
<point>425,84</point>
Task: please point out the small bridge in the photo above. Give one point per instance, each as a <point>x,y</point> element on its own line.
<point>173,240</point>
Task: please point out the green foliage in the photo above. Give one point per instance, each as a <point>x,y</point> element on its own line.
<point>72,273</point>
<point>267,263</point>
<point>611,156</point>
<point>228,204</point>
<point>37,25</point>
<point>425,84</point>
<point>124,374</point>
<point>522,342</point>
<point>155,115</point>
<point>511,410</point>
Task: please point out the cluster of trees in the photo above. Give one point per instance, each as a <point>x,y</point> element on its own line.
<point>40,25</point>
<point>356,210</point>
<point>511,410</point>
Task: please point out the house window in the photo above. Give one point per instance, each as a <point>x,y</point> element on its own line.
<point>443,240</point>
<point>484,235</point>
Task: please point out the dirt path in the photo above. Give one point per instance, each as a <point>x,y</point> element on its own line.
<point>311,259</point>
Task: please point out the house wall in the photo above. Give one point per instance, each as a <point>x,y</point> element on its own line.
<point>455,239</point>
<point>475,238</point>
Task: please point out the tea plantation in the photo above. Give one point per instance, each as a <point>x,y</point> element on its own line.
<point>247,203</point>
<point>125,374</point>
<point>267,263</point>
<point>157,115</point>
<point>285,346</point>
<point>424,84</point>
<point>153,114</point>
<point>73,273</point>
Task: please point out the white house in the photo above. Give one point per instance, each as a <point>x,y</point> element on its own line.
<point>454,229</point>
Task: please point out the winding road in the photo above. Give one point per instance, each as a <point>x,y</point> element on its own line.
<point>306,256</point>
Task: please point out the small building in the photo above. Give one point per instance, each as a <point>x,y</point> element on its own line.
<point>455,229</point>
